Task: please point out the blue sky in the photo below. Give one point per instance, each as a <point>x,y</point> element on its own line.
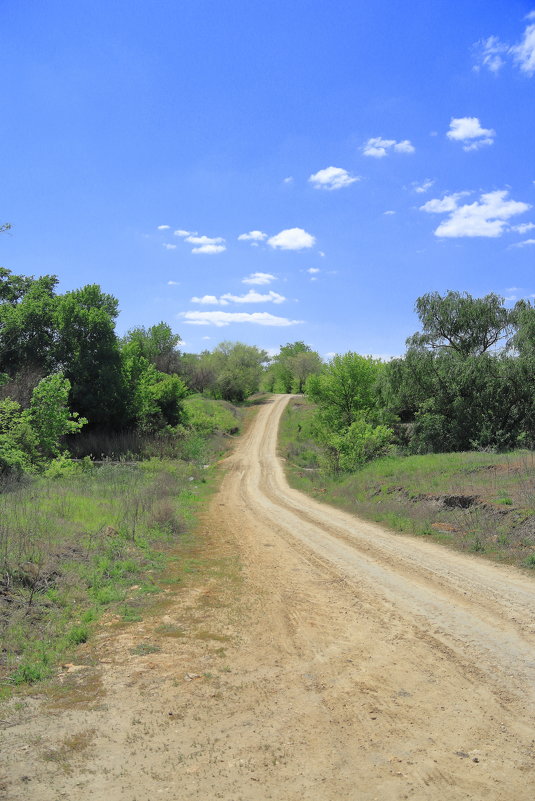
<point>376,151</point>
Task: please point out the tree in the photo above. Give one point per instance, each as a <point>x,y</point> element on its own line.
<point>88,353</point>
<point>49,414</point>
<point>457,321</point>
<point>237,369</point>
<point>158,344</point>
<point>345,388</point>
<point>291,367</point>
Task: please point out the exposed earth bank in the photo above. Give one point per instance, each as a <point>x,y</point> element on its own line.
<point>340,662</point>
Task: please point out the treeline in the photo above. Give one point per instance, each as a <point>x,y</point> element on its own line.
<point>466,381</point>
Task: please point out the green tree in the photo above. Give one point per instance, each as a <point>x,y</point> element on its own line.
<point>459,322</point>
<point>158,344</point>
<point>49,414</point>
<point>237,369</point>
<point>290,368</point>
<point>346,387</point>
<point>88,353</point>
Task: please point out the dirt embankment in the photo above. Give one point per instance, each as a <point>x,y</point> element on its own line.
<point>339,662</point>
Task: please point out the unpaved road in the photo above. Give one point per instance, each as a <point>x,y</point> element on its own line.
<point>346,664</point>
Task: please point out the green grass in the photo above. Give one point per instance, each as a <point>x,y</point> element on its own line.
<point>424,495</point>
<point>73,547</point>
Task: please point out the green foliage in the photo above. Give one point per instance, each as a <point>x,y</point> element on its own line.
<point>457,321</point>
<point>237,370</point>
<point>157,344</point>
<point>291,367</point>
<point>344,389</point>
<point>49,414</point>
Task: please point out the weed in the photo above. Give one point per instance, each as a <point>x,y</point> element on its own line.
<point>145,648</point>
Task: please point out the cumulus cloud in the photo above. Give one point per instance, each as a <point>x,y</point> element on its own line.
<point>204,240</point>
<point>332,178</point>
<point>253,236</point>
<point>523,227</point>
<point>492,53</point>
<point>163,227</point>
<point>173,283</point>
<point>252,296</point>
<point>313,270</point>
<point>167,246</point>
<point>469,131</point>
<point>221,318</point>
<point>288,180</point>
<point>259,279</point>
<point>389,212</point>
<point>485,217</point>
<point>181,232</point>
<point>378,148</point>
<point>291,239</point>
<point>423,187</point>
<point>210,249</point>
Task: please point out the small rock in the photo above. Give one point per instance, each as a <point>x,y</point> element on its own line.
<point>475,759</point>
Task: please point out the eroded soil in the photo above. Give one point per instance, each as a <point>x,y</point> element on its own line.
<point>321,658</point>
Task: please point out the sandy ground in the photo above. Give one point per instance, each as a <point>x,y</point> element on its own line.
<point>323,658</point>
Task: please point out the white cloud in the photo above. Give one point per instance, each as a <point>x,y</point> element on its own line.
<point>524,52</point>
<point>525,243</point>
<point>292,239</point>
<point>163,227</point>
<point>289,180</point>
<point>259,279</point>
<point>204,240</point>
<point>181,232</point>
<point>485,217</point>
<point>208,300</point>
<point>254,297</point>
<point>424,186</point>
<point>210,249</point>
<point>250,297</point>
<point>523,227</point>
<point>468,130</point>
<point>221,318</point>
<point>169,247</point>
<point>173,283</point>
<point>378,148</point>
<point>253,236</point>
<point>332,178</point>
<point>493,52</point>
<point>313,270</point>
<point>389,212</point>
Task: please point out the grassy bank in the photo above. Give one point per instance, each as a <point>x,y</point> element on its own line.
<point>94,539</point>
<point>476,502</point>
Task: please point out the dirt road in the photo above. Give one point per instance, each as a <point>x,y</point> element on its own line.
<point>347,663</point>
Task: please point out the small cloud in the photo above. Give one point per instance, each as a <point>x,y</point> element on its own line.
<point>181,232</point>
<point>468,130</point>
<point>389,212</point>
<point>292,239</point>
<point>250,297</point>
<point>322,254</point>
<point>332,178</point>
<point>524,244</point>
<point>207,300</point>
<point>163,227</point>
<point>493,53</point>
<point>288,180</point>
<point>204,240</point>
<point>378,148</point>
<point>423,187</point>
<point>207,337</point>
<point>486,217</point>
<point>168,246</point>
<point>259,279</point>
<point>313,270</point>
<point>173,283</point>
<point>210,249</point>
<point>253,236</point>
<point>221,318</point>
<point>523,228</point>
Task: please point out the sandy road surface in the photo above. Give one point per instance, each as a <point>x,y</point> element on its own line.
<point>348,664</point>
